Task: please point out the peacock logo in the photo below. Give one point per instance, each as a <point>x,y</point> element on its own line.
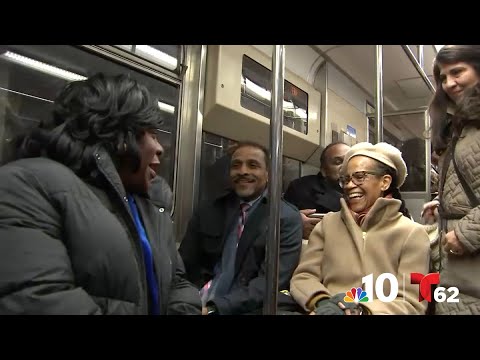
<point>356,295</point>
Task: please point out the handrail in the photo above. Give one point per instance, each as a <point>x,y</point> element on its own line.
<point>422,73</point>
<point>379,93</point>
<point>275,180</point>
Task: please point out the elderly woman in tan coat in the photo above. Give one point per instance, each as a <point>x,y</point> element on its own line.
<point>371,234</point>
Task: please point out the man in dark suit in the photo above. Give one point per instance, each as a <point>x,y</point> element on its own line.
<point>319,193</point>
<point>224,246</point>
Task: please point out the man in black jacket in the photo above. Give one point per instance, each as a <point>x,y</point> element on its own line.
<point>224,246</point>
<point>319,193</point>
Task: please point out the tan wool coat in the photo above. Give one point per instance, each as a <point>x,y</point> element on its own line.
<point>340,253</point>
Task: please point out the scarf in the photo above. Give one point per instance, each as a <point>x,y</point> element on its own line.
<point>360,216</point>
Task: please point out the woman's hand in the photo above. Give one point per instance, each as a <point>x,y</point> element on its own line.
<point>350,311</point>
<point>452,245</point>
<point>428,213</point>
<point>337,306</point>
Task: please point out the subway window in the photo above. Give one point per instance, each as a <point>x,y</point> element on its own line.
<point>32,75</point>
<point>214,166</point>
<point>256,96</point>
<point>411,142</point>
<point>166,56</point>
<point>291,171</point>
<point>387,135</point>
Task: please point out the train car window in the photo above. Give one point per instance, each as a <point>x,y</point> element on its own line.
<point>256,96</point>
<point>214,165</point>
<point>412,148</point>
<point>291,171</point>
<point>370,111</point>
<point>32,75</point>
<point>413,152</point>
<point>387,135</point>
<point>405,98</point>
<point>166,56</point>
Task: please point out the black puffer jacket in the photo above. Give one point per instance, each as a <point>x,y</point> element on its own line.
<point>69,245</point>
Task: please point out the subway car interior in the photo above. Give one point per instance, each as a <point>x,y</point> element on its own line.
<point>212,95</point>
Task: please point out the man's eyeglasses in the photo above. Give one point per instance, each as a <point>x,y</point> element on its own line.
<point>357,177</point>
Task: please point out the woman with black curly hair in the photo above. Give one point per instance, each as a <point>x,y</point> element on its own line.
<point>78,231</point>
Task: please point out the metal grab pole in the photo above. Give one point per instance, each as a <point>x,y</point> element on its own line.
<point>419,68</point>
<point>428,158</point>
<point>275,181</point>
<point>421,59</point>
<point>379,92</point>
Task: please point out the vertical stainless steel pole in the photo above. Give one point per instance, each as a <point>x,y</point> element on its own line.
<point>428,158</point>
<point>275,180</point>
<point>421,58</point>
<point>379,93</point>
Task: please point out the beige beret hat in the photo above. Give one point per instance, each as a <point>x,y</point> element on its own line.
<point>383,152</point>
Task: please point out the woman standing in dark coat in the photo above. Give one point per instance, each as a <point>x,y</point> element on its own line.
<point>78,232</point>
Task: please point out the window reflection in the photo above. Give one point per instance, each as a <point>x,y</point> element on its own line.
<point>163,55</point>
<point>409,140</point>
<point>413,152</point>
<point>215,166</point>
<point>32,75</point>
<point>291,171</point>
<point>256,96</point>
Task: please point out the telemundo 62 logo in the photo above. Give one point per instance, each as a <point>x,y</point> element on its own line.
<point>425,282</point>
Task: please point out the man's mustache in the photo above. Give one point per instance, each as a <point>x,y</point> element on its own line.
<point>244,177</point>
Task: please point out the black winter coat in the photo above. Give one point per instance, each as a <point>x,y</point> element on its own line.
<point>69,245</point>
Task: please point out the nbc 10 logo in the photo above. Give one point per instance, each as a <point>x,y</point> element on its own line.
<point>425,282</point>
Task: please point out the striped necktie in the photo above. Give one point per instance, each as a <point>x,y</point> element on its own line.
<point>241,225</point>
<point>242,219</point>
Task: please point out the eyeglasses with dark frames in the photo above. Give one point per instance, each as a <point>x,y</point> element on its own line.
<point>358,178</point>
